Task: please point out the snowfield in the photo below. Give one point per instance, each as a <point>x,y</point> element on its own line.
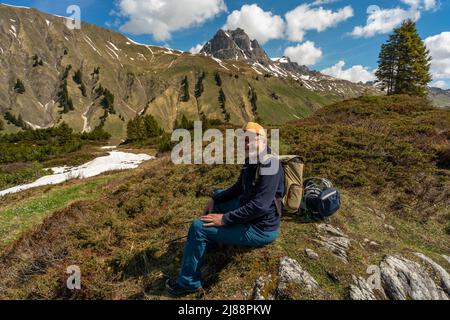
<point>116,160</point>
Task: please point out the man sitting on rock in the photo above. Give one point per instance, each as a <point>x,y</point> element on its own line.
<point>245,214</point>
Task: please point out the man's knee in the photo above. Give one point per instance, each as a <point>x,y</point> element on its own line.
<point>197,230</point>
<point>197,225</point>
<point>216,192</point>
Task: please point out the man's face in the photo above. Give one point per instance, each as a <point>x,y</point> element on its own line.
<point>254,143</point>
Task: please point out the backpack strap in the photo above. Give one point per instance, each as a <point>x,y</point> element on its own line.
<point>277,201</point>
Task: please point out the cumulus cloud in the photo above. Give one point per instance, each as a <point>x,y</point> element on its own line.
<point>305,17</point>
<point>440,84</point>
<point>197,48</point>
<point>257,23</point>
<point>161,17</point>
<point>356,73</point>
<point>321,2</point>
<point>422,4</point>
<point>304,54</point>
<point>439,46</point>
<point>382,21</point>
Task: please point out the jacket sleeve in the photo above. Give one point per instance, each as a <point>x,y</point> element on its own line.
<point>231,193</point>
<point>258,206</point>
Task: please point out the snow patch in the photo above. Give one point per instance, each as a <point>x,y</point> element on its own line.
<point>34,126</point>
<point>13,31</point>
<point>257,71</point>
<point>220,63</point>
<point>141,56</point>
<point>113,52</point>
<point>89,41</point>
<point>280,60</point>
<point>9,5</point>
<point>48,22</point>
<point>136,43</point>
<point>113,46</point>
<point>116,160</point>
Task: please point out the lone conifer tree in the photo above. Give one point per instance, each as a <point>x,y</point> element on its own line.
<point>404,62</point>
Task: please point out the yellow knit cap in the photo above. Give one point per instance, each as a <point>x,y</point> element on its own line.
<point>254,127</point>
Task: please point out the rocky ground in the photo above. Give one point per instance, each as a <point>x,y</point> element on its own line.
<point>395,277</point>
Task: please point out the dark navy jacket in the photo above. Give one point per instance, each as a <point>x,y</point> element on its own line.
<point>257,206</point>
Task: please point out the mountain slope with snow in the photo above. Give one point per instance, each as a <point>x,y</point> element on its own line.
<point>49,59</point>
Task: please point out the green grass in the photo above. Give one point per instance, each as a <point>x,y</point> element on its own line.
<point>17,218</point>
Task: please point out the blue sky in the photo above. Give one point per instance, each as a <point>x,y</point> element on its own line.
<point>330,35</point>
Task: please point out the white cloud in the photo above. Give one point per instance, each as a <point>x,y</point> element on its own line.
<point>422,4</point>
<point>305,17</point>
<point>382,21</point>
<point>320,2</point>
<point>440,84</point>
<point>304,54</point>
<point>439,46</point>
<point>197,48</point>
<point>257,23</point>
<point>356,73</point>
<point>431,4</point>
<point>161,17</point>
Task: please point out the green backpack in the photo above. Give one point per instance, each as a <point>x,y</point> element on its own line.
<point>293,183</point>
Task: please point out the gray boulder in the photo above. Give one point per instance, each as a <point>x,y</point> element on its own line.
<point>404,279</point>
<point>442,274</point>
<point>361,289</point>
<point>334,240</point>
<point>446,258</point>
<point>260,285</point>
<point>290,272</point>
<point>311,254</point>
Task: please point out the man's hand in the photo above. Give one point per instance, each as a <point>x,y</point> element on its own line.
<point>209,206</point>
<point>212,220</point>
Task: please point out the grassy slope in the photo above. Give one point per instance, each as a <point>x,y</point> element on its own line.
<point>381,152</point>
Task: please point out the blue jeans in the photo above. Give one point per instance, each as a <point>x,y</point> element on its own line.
<point>199,237</point>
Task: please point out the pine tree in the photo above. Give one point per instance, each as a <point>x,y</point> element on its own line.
<point>218,79</point>
<point>136,129</point>
<point>152,128</point>
<point>184,94</point>
<point>78,76</point>
<point>222,99</point>
<point>19,87</point>
<point>387,66</point>
<point>252,96</point>
<point>199,86</point>
<point>404,62</point>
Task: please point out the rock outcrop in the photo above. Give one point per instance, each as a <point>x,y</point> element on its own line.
<point>311,254</point>
<point>235,45</point>
<point>290,272</point>
<point>361,290</point>
<point>260,285</point>
<point>403,279</point>
<point>292,282</point>
<point>441,273</point>
<point>333,240</point>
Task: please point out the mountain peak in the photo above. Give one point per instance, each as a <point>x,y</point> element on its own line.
<point>235,45</point>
